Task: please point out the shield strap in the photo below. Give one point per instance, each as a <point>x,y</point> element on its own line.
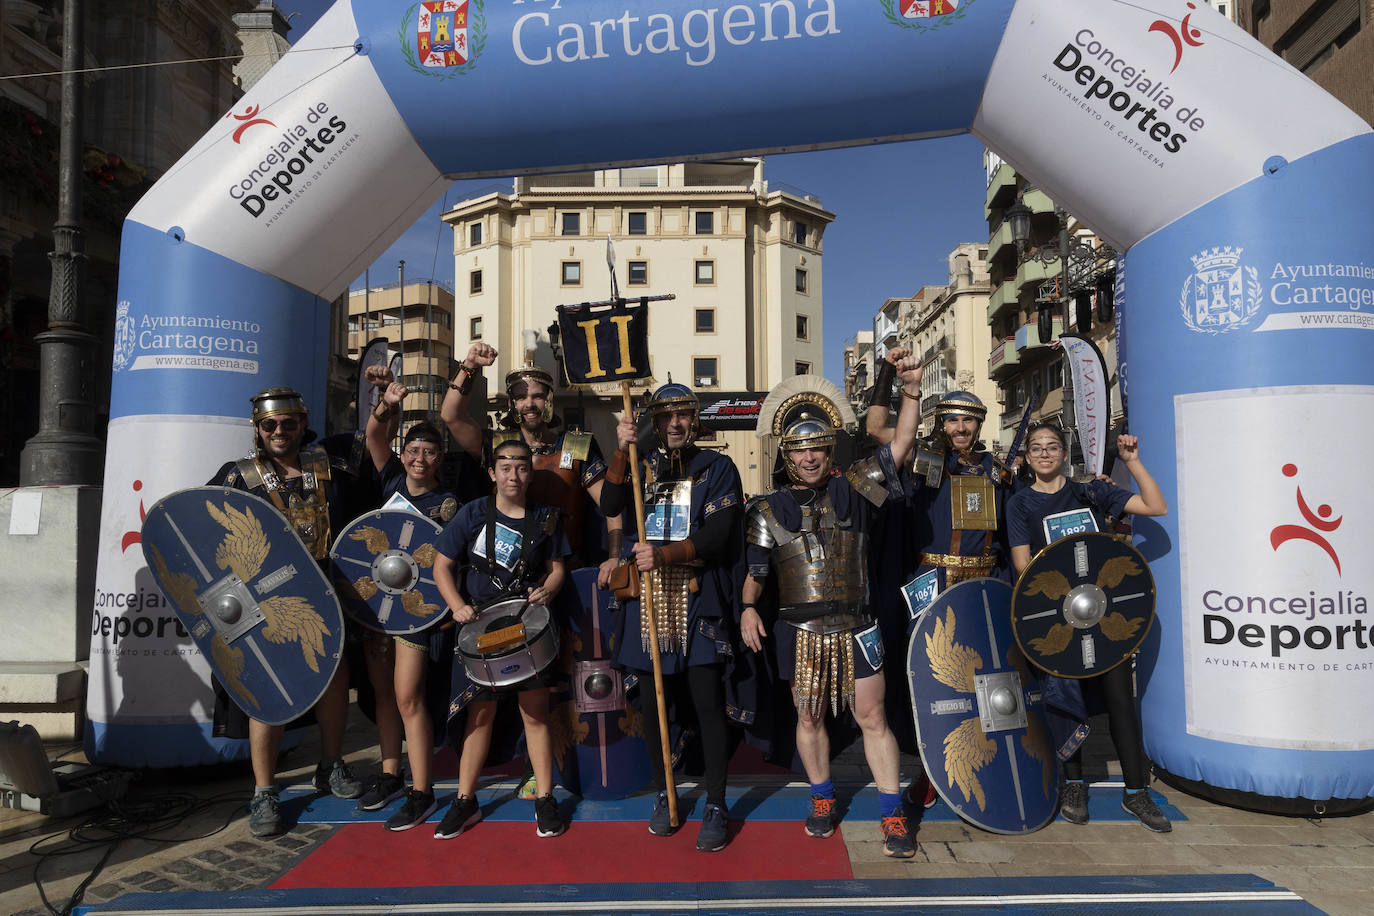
<point>517,572</point>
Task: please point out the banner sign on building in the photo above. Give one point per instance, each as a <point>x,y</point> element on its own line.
<point>605,343</point>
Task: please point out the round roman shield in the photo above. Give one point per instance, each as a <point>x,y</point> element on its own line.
<point>1083,605</point>
<point>384,565</point>
<point>256,603</point>
<point>980,722</point>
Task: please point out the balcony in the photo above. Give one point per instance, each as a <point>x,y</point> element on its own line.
<point>1005,357</point>
<point>1003,297</point>
<point>1028,335</point>
<point>1001,244</point>
<point>1001,190</point>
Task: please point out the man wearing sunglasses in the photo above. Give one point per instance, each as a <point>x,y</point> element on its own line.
<point>318,488</point>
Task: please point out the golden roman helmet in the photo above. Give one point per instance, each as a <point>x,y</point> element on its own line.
<point>271,402</point>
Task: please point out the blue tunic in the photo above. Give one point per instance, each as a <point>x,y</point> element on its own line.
<point>1028,508</point>
<point>713,610</point>
<point>463,540</point>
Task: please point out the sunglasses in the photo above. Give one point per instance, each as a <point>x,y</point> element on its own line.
<point>287,424</point>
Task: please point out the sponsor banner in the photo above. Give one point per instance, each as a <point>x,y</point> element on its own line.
<point>1132,115</point>
<point>1092,408</point>
<point>1275,587</point>
<point>1119,288</point>
<point>198,334</point>
<point>375,354</point>
<point>731,409</point>
<point>1211,281</point>
<point>145,669</point>
<point>483,85</point>
<point>286,178</point>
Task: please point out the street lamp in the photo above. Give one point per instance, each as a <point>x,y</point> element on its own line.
<point>1082,267</point>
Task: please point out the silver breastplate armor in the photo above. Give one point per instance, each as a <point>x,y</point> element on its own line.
<point>821,568</point>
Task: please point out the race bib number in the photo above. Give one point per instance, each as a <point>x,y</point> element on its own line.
<point>668,511</point>
<point>870,643</point>
<point>507,546</point>
<point>1066,524</point>
<point>920,592</point>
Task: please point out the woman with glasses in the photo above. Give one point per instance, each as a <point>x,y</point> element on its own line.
<point>1050,494</point>
<point>396,665</point>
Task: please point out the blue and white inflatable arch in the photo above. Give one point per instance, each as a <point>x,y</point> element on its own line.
<point>1239,189</point>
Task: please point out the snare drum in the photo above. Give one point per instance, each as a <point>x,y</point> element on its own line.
<point>516,657</point>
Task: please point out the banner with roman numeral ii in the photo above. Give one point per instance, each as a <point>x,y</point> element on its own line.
<point>605,343</point>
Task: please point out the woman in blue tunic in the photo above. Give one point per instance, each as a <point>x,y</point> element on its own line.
<point>511,549</point>
<point>397,666</point>
<point>1050,494</point>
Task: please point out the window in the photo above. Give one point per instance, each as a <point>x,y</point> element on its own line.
<point>637,222</point>
<point>571,224</point>
<point>639,273</point>
<point>803,327</point>
<point>704,371</point>
<point>706,272</point>
<point>802,368</point>
<point>705,222</point>
<point>475,328</point>
<point>799,232</point>
<point>475,234</point>
<point>706,321</point>
<point>475,282</point>
<point>572,273</point>
<point>801,279</point>
<point>1054,375</point>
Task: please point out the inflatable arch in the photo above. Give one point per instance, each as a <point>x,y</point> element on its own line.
<point>1240,191</point>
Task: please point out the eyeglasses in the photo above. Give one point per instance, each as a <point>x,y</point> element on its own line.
<point>1035,451</point>
<point>416,452</point>
<point>287,424</point>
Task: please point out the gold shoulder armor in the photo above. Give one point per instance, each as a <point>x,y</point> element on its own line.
<point>577,444</point>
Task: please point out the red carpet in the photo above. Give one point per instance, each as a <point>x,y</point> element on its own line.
<point>607,852</point>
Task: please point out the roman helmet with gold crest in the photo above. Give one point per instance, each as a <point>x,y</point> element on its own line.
<point>805,411</point>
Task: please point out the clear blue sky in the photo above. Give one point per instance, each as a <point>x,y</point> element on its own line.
<point>899,209</point>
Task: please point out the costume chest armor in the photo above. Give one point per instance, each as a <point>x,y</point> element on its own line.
<point>821,568</point>
<point>307,511</point>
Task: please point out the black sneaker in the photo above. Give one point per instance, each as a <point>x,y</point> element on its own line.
<point>337,779</point>
<point>264,815</point>
<point>1146,811</point>
<point>821,822</point>
<point>660,823</point>
<point>380,791</point>
<point>1073,802</point>
<point>715,825</point>
<point>897,841</point>
<point>416,809</point>
<point>462,814</point>
<point>548,822</point>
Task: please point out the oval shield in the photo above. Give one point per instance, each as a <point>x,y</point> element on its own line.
<point>384,568</point>
<point>609,758</point>
<point>1083,605</point>
<point>980,720</point>
<point>256,603</point>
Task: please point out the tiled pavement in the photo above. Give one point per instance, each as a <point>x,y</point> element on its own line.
<point>1330,862</point>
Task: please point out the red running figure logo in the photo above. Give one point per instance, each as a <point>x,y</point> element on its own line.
<point>249,117</point>
<point>1321,520</point>
<point>1184,35</point>
<point>134,537</point>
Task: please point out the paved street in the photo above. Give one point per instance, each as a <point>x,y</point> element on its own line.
<point>1329,862</point>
